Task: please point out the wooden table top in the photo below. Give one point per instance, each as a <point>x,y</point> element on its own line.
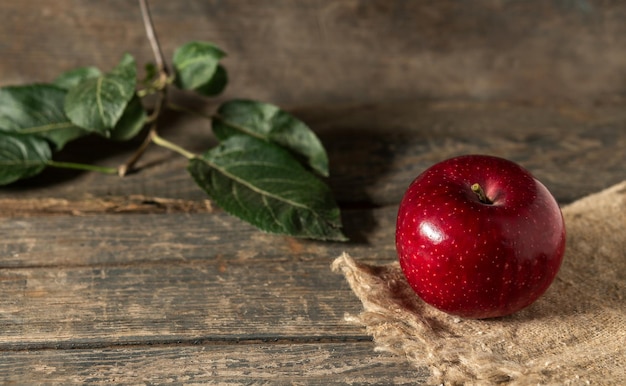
<point>142,280</point>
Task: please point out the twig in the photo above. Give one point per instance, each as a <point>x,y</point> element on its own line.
<point>162,87</point>
<point>152,37</point>
<point>172,146</point>
<point>122,170</point>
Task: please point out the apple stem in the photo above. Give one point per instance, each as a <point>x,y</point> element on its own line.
<point>476,188</point>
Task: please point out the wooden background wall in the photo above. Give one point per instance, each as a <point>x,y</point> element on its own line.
<point>313,52</point>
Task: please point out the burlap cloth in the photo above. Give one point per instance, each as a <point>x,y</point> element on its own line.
<point>575,334</point>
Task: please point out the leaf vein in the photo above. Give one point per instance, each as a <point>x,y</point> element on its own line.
<point>240,128</point>
<point>99,98</point>
<point>46,128</point>
<point>254,188</point>
<point>188,62</point>
<point>271,211</point>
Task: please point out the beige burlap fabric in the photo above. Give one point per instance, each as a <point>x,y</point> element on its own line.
<point>575,334</point>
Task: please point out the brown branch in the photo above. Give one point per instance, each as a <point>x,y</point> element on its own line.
<point>122,170</point>
<point>152,37</point>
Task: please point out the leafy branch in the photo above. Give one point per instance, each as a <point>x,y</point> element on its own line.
<point>267,168</point>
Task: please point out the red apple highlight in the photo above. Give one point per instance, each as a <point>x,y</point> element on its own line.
<point>479,237</point>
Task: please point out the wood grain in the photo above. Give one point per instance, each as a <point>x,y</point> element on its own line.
<point>377,150</point>
<point>115,285</point>
<point>160,239</point>
<point>258,363</point>
<point>21,207</point>
<point>349,51</point>
<point>141,280</point>
<point>174,302</point>
<point>121,279</point>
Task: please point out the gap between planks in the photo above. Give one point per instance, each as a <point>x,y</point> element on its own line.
<point>31,207</point>
<point>187,341</point>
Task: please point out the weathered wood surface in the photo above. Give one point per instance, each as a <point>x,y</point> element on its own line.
<point>376,150</point>
<point>215,295</point>
<point>348,51</point>
<point>141,280</point>
<point>244,362</point>
<point>184,276</point>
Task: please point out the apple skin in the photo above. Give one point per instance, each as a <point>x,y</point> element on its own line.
<point>479,259</point>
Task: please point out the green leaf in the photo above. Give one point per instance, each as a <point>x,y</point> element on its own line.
<point>97,104</point>
<point>132,121</point>
<point>268,122</point>
<point>73,78</point>
<point>21,156</point>
<point>37,110</point>
<point>197,68</point>
<point>264,185</point>
<point>216,85</point>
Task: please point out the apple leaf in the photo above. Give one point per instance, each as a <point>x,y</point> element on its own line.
<point>261,183</point>
<point>270,123</point>
<point>21,156</point>
<point>131,122</point>
<point>97,104</point>
<point>37,110</point>
<point>197,68</point>
<point>72,78</point>
<point>216,85</point>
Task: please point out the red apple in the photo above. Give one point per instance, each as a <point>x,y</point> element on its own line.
<point>479,237</point>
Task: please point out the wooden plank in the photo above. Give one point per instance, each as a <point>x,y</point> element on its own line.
<point>213,300</point>
<point>159,239</point>
<point>23,207</point>
<point>167,303</point>
<point>377,150</point>
<point>343,51</point>
<point>258,363</point>
<point>129,279</point>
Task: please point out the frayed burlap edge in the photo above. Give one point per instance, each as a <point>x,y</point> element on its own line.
<point>573,335</point>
